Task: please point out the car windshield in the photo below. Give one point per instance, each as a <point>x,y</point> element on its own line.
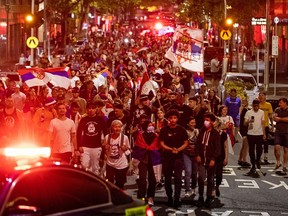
<point>246,81</point>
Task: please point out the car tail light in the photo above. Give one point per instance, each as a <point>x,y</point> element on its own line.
<point>149,212</point>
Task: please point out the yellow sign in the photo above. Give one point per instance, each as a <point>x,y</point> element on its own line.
<point>225,34</point>
<point>32,42</point>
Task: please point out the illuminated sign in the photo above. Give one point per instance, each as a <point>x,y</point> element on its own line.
<point>258,21</point>
<point>280,20</point>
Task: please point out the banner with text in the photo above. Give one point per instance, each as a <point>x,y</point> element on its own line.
<point>187,49</point>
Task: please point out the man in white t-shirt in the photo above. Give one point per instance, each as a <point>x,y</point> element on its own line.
<point>254,118</point>
<point>19,98</point>
<point>62,135</point>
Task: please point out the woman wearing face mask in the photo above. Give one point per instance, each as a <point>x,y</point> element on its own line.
<point>146,150</point>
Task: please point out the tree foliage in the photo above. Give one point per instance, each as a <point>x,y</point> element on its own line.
<point>199,10</point>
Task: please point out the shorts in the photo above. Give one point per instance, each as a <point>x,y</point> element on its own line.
<point>281,139</point>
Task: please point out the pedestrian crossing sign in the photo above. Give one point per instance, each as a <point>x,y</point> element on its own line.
<point>32,42</point>
<point>225,34</point>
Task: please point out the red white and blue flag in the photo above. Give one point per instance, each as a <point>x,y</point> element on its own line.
<point>38,76</point>
<point>187,49</point>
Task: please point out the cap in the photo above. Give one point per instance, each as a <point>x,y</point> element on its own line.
<point>75,90</point>
<point>144,97</point>
<point>256,102</point>
<point>49,101</point>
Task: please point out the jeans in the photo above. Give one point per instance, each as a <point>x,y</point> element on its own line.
<point>204,171</point>
<point>253,141</point>
<point>218,171</point>
<point>90,158</point>
<point>190,167</point>
<point>173,165</point>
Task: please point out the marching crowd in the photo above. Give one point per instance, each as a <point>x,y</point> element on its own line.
<point>157,128</point>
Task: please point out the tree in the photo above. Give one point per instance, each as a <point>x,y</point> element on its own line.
<point>200,11</point>
<point>59,11</point>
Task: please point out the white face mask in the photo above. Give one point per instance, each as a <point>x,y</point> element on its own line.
<point>150,129</point>
<point>207,124</point>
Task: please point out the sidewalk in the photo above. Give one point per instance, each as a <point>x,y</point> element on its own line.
<point>281,79</point>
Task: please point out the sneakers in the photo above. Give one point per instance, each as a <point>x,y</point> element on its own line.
<point>266,162</point>
<point>285,169</point>
<point>200,202</point>
<point>252,173</point>
<point>159,185</point>
<point>245,164</point>
<point>277,166</point>
<point>188,194</point>
<point>208,201</point>
<point>177,203</point>
<point>150,201</point>
<point>193,192</point>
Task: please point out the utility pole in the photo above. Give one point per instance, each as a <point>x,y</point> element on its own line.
<point>225,60</point>
<point>32,34</point>
<point>267,45</point>
<point>7,8</point>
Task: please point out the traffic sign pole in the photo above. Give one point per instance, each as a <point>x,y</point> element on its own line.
<point>32,34</point>
<point>276,20</point>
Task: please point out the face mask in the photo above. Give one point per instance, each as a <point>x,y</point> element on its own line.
<point>150,129</point>
<point>207,124</point>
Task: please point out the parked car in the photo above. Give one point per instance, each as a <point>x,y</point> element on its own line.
<point>43,186</point>
<point>242,82</point>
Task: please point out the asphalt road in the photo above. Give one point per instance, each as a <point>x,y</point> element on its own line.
<point>240,195</point>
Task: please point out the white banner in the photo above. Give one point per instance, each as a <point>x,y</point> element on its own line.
<point>187,49</point>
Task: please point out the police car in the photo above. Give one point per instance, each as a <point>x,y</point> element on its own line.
<point>33,184</point>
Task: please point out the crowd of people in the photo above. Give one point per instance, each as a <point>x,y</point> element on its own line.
<point>110,124</point>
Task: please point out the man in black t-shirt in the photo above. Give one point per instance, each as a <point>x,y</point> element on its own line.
<point>173,139</point>
<point>90,130</point>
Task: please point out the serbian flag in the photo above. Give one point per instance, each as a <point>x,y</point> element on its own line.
<point>33,76</point>
<point>58,76</point>
<point>106,73</point>
<point>50,76</point>
<point>108,76</point>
